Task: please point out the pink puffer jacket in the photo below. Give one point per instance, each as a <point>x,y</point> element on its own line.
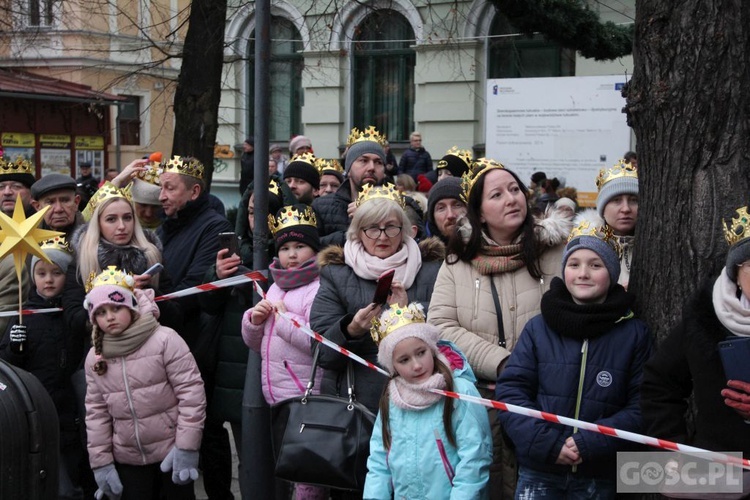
<point>146,403</point>
<point>284,350</point>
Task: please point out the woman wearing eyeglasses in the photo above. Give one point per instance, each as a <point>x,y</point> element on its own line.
<point>379,239</point>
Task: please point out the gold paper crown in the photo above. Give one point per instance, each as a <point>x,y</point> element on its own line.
<point>107,191</point>
<point>56,243</point>
<point>290,216</point>
<point>387,191</point>
<point>621,169</point>
<point>739,228</point>
<point>322,164</point>
<point>110,276</point>
<point>394,318</point>
<point>20,166</point>
<point>604,233</point>
<point>464,154</point>
<point>274,188</point>
<point>480,167</point>
<point>151,174</point>
<point>308,158</point>
<point>183,165</point>
<point>368,134</point>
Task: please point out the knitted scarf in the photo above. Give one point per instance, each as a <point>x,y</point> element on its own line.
<point>416,397</point>
<point>407,261</point>
<point>496,259</point>
<point>729,309</point>
<point>584,321</point>
<point>288,279</point>
<point>131,339</point>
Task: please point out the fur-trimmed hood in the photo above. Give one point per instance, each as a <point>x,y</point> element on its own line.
<point>432,249</point>
<point>552,229</point>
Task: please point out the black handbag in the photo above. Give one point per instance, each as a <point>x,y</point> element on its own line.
<point>323,439</point>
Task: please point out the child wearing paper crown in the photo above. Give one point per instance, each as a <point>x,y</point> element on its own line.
<point>582,357</point>
<point>285,351</point>
<point>145,402</point>
<point>424,445</point>
<point>41,346</point>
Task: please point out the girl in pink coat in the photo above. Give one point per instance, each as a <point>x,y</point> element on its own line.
<point>285,352</point>
<point>145,402</point>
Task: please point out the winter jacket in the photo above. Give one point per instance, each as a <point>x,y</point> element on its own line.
<point>46,356</point>
<point>414,468</point>
<point>284,351</point>
<point>342,293</point>
<point>414,162</point>
<point>227,305</point>
<point>543,373</point>
<point>687,363</point>
<point>332,214</point>
<point>191,242</point>
<point>247,170</point>
<point>463,308</point>
<point>146,403</point>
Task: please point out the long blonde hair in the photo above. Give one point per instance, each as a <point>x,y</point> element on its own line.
<point>88,247</point>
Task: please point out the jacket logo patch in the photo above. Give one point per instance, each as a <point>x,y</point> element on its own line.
<point>604,378</point>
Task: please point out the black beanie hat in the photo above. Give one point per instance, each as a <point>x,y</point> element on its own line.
<point>303,167</point>
<point>297,223</point>
<point>449,187</point>
<point>455,165</point>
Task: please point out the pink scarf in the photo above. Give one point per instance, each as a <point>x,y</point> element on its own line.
<point>416,396</point>
<point>407,262</point>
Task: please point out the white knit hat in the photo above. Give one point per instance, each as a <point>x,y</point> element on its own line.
<point>396,324</point>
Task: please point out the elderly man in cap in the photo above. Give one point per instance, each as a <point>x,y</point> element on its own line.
<point>276,154</point>
<point>299,145</point>
<point>58,192</point>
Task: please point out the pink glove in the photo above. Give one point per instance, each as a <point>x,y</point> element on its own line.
<point>738,400</point>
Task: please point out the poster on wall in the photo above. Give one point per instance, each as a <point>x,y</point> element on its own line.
<point>15,145</point>
<point>54,155</point>
<point>566,127</point>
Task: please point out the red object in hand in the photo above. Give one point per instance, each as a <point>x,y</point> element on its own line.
<point>155,157</point>
<point>739,399</point>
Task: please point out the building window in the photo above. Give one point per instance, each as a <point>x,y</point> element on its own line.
<point>519,56</point>
<point>383,79</point>
<point>129,121</point>
<point>285,81</point>
<point>40,12</point>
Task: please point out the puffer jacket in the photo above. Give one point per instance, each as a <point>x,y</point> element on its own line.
<point>544,372</point>
<point>342,293</point>
<point>146,403</point>
<point>284,351</point>
<point>414,162</point>
<point>414,466</point>
<point>463,308</point>
<point>333,217</point>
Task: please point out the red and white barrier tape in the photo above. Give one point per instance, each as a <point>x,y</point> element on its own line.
<point>25,312</point>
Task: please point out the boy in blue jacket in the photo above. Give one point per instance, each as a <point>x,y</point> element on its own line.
<point>582,357</point>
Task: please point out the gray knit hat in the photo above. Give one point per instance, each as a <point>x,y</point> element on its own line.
<point>363,147</point>
<point>603,249</point>
<point>145,193</point>
<point>58,251</point>
<point>738,253</point>
<point>620,179</point>
<point>449,187</point>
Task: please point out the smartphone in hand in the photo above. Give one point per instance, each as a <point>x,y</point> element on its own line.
<point>230,242</point>
<point>154,270</point>
<point>383,288</point>
<point>735,354</point>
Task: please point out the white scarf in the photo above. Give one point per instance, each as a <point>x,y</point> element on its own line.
<point>416,397</point>
<point>407,262</point>
<point>733,313</point>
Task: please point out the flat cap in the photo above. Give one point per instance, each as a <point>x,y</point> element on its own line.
<point>52,182</point>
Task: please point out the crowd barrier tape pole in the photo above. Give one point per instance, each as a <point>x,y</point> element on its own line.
<point>26,312</point>
<point>541,415</point>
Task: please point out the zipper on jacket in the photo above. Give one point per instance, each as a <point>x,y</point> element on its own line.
<point>449,471</point>
<point>581,376</point>
<point>132,412</point>
<point>476,297</point>
<point>295,379</point>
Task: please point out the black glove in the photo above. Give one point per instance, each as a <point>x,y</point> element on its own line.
<point>18,338</point>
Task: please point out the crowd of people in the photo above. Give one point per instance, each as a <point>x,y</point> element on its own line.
<point>498,290</point>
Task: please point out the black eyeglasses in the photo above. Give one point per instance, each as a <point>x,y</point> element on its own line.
<point>374,232</point>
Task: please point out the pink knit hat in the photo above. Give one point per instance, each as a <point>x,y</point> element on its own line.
<point>396,324</point>
<point>113,287</point>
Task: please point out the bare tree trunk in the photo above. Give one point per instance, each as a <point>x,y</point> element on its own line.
<point>688,104</point>
<point>196,101</point>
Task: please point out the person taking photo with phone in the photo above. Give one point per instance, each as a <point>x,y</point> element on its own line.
<point>688,367</point>
<point>379,239</point>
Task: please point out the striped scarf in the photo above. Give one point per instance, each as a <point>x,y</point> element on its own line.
<point>496,259</point>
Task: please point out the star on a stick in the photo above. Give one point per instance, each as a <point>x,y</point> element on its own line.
<point>21,236</point>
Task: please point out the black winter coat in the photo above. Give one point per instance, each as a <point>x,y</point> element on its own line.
<point>415,162</point>
<point>342,293</point>
<point>332,214</point>
<point>687,362</point>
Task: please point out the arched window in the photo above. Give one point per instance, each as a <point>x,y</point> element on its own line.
<point>285,81</point>
<point>519,56</point>
<point>383,79</point>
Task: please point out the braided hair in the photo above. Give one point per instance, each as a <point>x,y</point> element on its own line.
<point>100,366</point>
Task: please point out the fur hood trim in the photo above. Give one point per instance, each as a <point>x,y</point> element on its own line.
<point>432,249</point>
<point>552,229</point>
<point>75,239</point>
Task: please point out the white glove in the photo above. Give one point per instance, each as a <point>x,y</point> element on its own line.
<point>108,481</point>
<point>183,464</point>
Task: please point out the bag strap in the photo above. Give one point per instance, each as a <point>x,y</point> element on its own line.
<point>311,382</point>
<point>349,376</point>
<point>498,313</point>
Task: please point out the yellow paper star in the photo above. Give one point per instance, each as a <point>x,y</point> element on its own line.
<point>21,236</point>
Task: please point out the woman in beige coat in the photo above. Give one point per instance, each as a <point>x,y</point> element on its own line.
<point>502,251</point>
